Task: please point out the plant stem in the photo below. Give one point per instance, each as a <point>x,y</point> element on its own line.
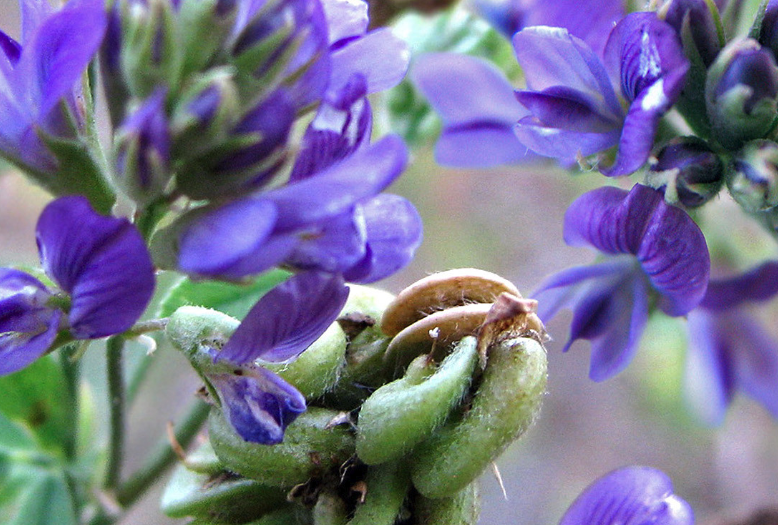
<point>163,456</point>
<point>71,369</point>
<point>115,367</point>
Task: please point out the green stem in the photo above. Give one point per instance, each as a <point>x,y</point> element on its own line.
<point>71,369</point>
<point>116,392</point>
<point>163,456</point>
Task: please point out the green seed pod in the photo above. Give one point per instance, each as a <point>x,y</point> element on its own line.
<point>219,496</point>
<point>387,486</point>
<point>403,413</point>
<point>310,447</point>
<point>330,509</point>
<point>463,508</point>
<point>317,369</point>
<point>503,407</point>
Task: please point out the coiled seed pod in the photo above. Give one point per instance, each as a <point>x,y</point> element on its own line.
<point>505,404</point>
<point>401,414</point>
<point>462,508</point>
<point>387,486</point>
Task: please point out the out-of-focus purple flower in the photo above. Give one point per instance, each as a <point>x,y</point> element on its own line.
<point>630,496</point>
<point>687,171</point>
<point>589,20</point>
<point>102,266</point>
<point>40,82</point>
<point>478,109</point>
<point>729,349</point>
<point>741,93</point>
<point>653,249</point>
<point>258,403</point>
<point>575,109</point>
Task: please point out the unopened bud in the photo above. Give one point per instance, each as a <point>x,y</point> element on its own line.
<point>753,176</point>
<point>687,171</point>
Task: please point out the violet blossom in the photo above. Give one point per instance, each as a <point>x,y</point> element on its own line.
<point>104,280</point>
<point>258,403</point>
<point>577,101</point>
<point>630,496</point>
<point>729,349</point>
<point>654,254</point>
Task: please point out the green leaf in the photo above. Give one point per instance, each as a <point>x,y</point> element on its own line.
<point>232,299</point>
<point>34,398</point>
<point>30,495</point>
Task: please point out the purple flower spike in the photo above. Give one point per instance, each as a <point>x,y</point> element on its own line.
<point>728,349</point>
<point>629,496</point>
<point>286,321</point>
<point>476,104</point>
<point>100,262</point>
<point>654,249</point>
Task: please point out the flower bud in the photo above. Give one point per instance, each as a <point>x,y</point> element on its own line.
<point>143,151</point>
<point>687,171</point>
<point>740,93</point>
<point>768,31</point>
<point>697,21</point>
<point>753,176</point>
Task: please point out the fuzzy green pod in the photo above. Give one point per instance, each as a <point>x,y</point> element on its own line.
<point>404,412</point>
<point>504,406</point>
<point>387,487</point>
<point>217,495</point>
<point>317,369</point>
<point>311,446</point>
<point>463,508</point>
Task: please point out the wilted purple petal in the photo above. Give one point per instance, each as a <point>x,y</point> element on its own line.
<point>394,232</point>
<point>362,175</point>
<point>287,319</point>
<point>667,242</point>
<point>27,325</point>
<point>610,308</point>
<point>758,284</point>
<point>380,56</point>
<point>102,262</point>
<point>629,496</point>
<point>258,404</point>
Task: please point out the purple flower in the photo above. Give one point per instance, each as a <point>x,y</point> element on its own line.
<point>332,220</point>
<point>729,349</point>
<point>653,250</point>
<point>629,496</point>
<point>41,79</point>
<point>100,262</point>
<point>575,99</point>
<point>478,109</point>
<point>589,20</point>
<point>258,403</point>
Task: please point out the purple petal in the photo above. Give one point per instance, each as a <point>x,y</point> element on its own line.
<point>341,126</point>
<point>216,239</point>
<point>559,143</point>
<point>27,325</point>
<point>564,108</point>
<point>53,61</point>
<point>758,284</point>
<point>10,48</point>
<point>629,496</point>
<point>287,319</point>
<point>667,242</point>
<point>333,246</point>
<point>364,174</point>
<point>481,145</point>
<point>345,18</point>
<point>552,57</point>
<point>380,56</point>
<point>34,13</point>
<point>394,232</point>
<point>101,261</point>
<point>258,404</point>
<point>610,308</point>
<point>709,380</point>
<point>466,90</point>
